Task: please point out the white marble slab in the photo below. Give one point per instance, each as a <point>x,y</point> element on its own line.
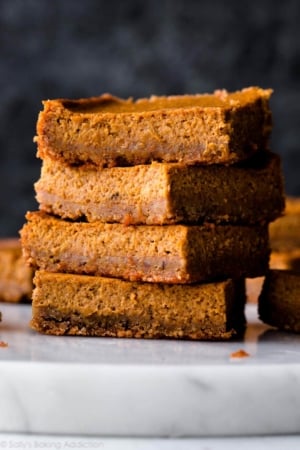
<point>110,387</point>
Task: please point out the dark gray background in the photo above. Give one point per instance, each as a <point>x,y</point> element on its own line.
<point>76,48</point>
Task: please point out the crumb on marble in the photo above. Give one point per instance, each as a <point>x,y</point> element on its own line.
<point>239,354</point>
<point>3,344</point>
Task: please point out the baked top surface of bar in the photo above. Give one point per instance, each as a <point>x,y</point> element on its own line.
<point>159,193</point>
<point>110,307</point>
<point>105,131</point>
<point>168,254</point>
<point>279,302</point>
<point>108,104</point>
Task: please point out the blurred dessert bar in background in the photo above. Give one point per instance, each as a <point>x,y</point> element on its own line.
<point>15,275</point>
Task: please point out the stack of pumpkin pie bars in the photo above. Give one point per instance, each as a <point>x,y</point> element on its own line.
<point>151,214</point>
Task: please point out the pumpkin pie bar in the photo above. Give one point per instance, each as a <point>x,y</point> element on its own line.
<point>97,306</point>
<point>107,131</point>
<point>157,193</point>
<point>285,231</point>
<point>288,260</point>
<point>279,302</point>
<point>154,253</point>
<point>15,275</point>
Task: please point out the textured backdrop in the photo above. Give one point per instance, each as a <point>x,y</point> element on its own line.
<point>69,48</point>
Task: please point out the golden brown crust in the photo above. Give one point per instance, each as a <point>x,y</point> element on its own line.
<point>96,306</point>
<point>279,302</point>
<point>158,193</point>
<point>15,275</point>
<point>106,131</point>
<point>167,254</point>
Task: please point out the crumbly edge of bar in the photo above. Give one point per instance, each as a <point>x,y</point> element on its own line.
<point>52,321</point>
